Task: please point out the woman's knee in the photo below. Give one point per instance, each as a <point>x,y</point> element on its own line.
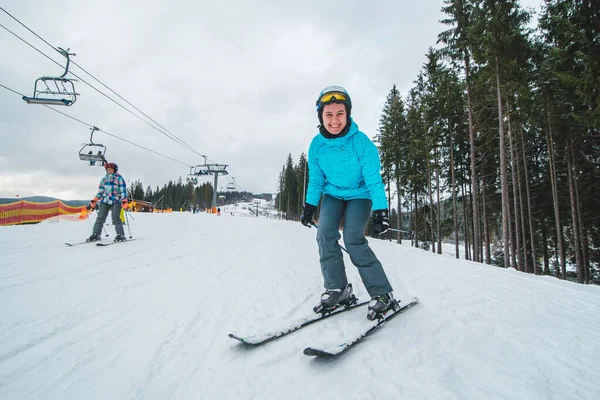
<point>354,236</point>
<point>328,236</point>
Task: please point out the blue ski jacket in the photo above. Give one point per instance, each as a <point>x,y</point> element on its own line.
<point>346,167</point>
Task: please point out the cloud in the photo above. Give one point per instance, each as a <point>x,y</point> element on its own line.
<point>236,81</point>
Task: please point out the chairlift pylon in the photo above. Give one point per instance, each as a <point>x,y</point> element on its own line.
<point>93,152</point>
<point>60,89</point>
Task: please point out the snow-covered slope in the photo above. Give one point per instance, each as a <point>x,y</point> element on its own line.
<point>149,319</point>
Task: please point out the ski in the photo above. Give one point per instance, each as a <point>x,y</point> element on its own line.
<point>366,330</point>
<point>292,327</point>
<point>111,243</point>
<point>79,243</point>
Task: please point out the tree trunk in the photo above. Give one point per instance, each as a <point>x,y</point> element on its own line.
<point>486,229</point>
<point>430,203</point>
<point>411,223</point>
<point>545,244</point>
<point>439,213</point>
<point>389,196</point>
<point>586,259</point>
<point>574,216</point>
<point>416,232</point>
<point>556,251</point>
<point>454,210</point>
<point>525,260</point>
<point>529,216</point>
<point>582,229</point>
<point>516,247</point>
<point>553,180</point>
<point>465,222</point>
<point>506,235</point>
<point>399,205</point>
<point>476,233</point>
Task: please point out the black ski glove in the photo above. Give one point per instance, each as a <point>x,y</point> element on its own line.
<point>307,215</point>
<point>381,221</point>
<point>91,204</point>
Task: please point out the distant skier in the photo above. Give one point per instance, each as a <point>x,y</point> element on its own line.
<point>112,195</point>
<point>218,211</point>
<point>344,167</point>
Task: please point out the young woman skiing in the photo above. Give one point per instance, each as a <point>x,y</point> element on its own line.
<point>344,168</point>
<point>112,195</point>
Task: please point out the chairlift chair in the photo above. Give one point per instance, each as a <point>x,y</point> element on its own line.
<point>192,178</point>
<point>57,91</point>
<point>231,185</point>
<point>93,152</point>
<point>87,154</point>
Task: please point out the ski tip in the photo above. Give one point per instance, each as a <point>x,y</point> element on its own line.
<point>236,337</point>
<point>309,351</point>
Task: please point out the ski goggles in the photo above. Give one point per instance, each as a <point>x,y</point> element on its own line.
<point>333,93</point>
<point>332,96</point>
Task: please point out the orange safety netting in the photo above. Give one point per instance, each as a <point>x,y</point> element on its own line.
<point>24,211</point>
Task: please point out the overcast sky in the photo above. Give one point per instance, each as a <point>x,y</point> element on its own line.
<point>237,81</point>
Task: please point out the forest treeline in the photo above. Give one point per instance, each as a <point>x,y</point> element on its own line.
<point>182,195</point>
<point>497,145</point>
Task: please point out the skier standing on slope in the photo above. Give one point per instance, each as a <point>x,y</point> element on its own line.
<point>344,167</point>
<point>112,195</point>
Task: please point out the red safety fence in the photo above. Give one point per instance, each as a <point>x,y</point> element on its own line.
<point>22,212</point>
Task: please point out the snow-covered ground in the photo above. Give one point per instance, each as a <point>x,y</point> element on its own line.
<point>149,319</point>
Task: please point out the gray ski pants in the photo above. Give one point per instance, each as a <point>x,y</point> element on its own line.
<point>356,215</point>
<point>115,210</point>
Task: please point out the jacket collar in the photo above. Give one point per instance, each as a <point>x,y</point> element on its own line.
<point>350,130</point>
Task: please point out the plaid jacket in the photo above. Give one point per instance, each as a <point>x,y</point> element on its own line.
<point>112,189</point>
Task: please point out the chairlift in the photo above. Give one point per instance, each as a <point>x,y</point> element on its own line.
<point>201,170</point>
<point>192,178</point>
<point>57,91</point>
<point>231,185</point>
<point>93,152</point>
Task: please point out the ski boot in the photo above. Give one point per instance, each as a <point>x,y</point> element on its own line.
<point>334,298</point>
<point>93,238</point>
<point>379,305</point>
<point>120,238</point>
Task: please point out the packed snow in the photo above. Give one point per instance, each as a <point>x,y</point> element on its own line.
<point>149,319</point>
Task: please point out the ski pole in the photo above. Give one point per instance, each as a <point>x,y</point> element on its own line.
<point>128,228</point>
<point>316,226</point>
<point>103,227</point>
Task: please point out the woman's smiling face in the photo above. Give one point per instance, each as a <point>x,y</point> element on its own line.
<point>334,118</point>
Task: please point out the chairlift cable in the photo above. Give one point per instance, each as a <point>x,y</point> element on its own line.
<point>101,130</point>
<point>140,111</point>
<point>24,26</point>
<point>92,86</point>
<point>142,147</point>
<point>168,133</point>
